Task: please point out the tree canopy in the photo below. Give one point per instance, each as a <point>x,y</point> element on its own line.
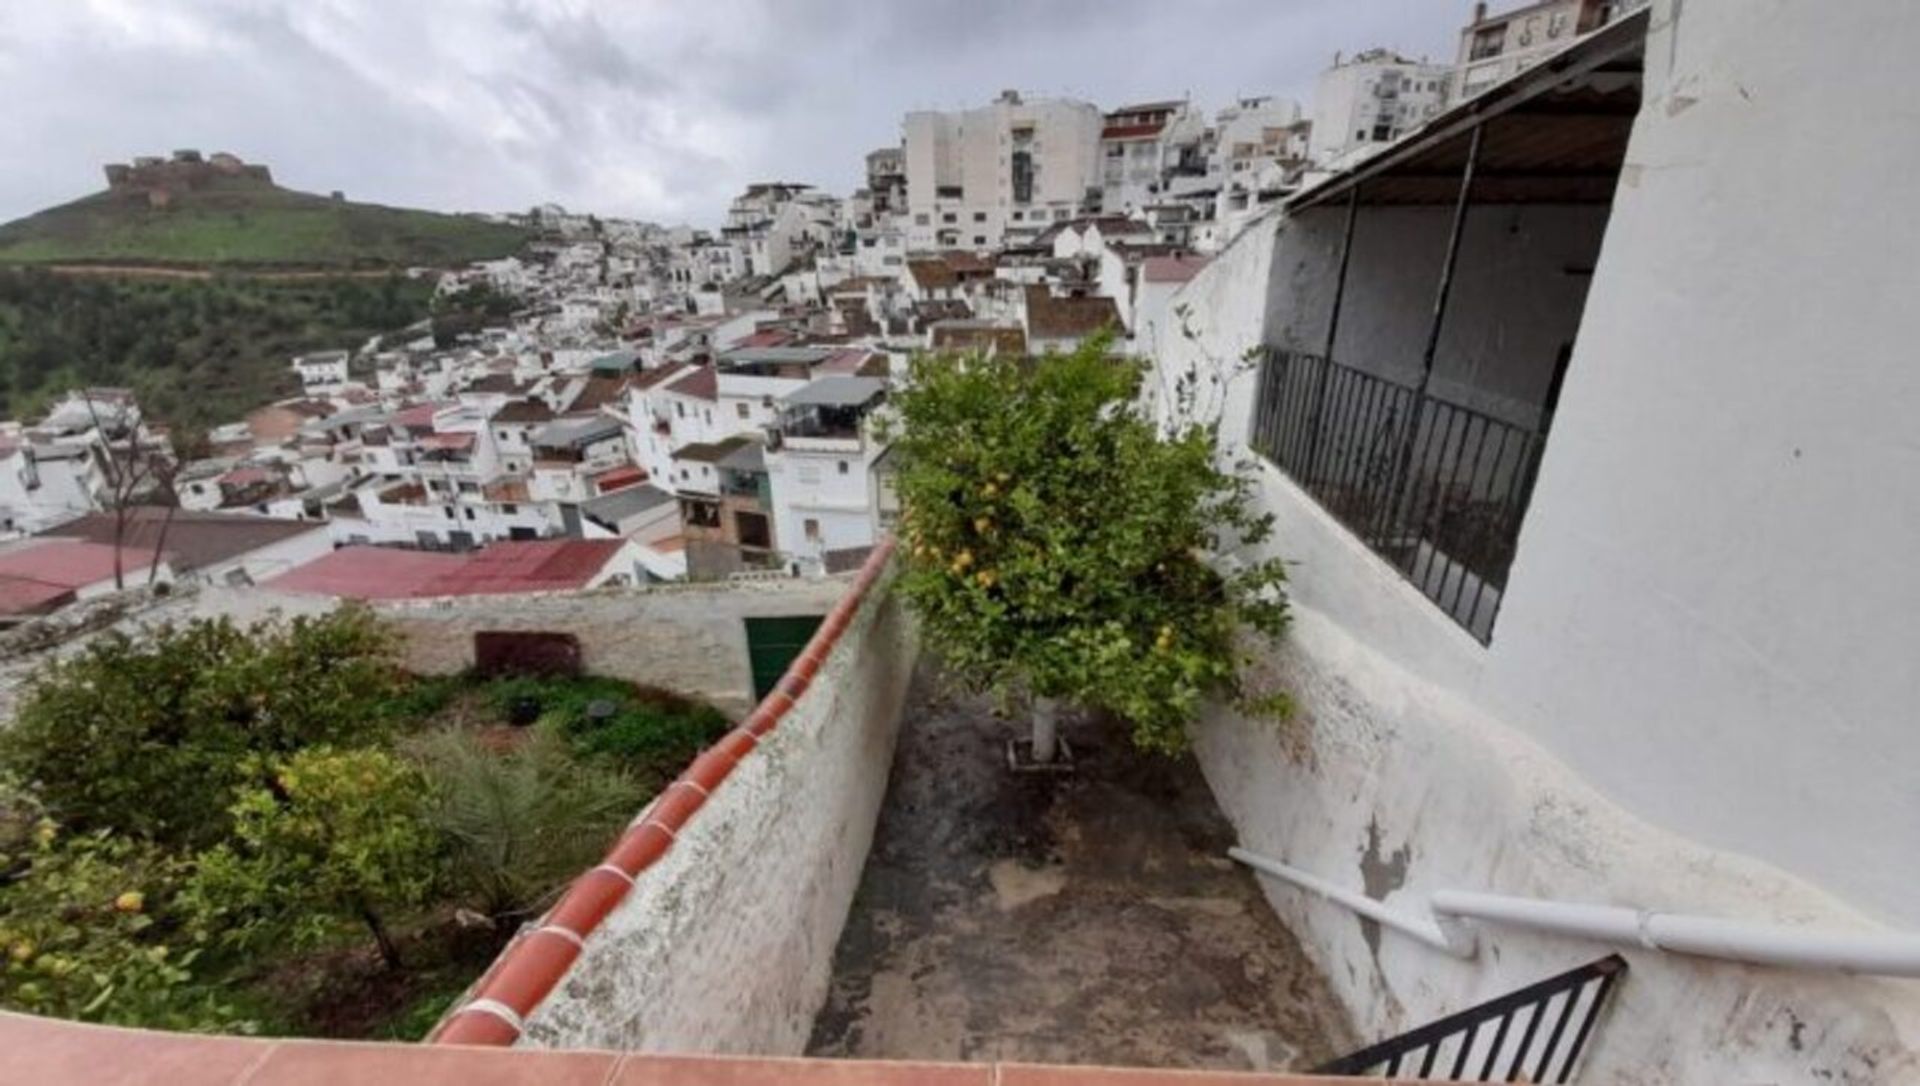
<point>1060,543</point>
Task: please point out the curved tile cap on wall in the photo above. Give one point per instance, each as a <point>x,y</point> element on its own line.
<point>496,1008</point>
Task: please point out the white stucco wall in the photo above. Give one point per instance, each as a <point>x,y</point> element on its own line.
<point>1698,694</point>
<point>726,944</point>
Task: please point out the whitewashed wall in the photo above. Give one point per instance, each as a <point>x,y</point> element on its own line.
<point>1699,693</point>
<point>726,944</point>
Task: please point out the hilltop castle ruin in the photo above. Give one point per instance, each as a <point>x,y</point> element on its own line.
<point>156,179</point>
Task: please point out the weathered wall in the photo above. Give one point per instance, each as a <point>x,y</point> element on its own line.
<point>1386,783</point>
<point>1657,722</point>
<point>726,943</point>
<point>688,639</point>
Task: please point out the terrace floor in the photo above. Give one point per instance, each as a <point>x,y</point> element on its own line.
<point>1091,918</point>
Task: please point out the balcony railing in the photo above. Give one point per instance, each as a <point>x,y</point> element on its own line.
<point>1436,489</point>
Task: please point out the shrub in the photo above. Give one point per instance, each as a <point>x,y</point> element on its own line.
<point>149,735</point>
<point>333,837</point>
<point>92,928</point>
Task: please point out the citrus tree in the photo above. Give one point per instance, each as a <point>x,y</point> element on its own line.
<point>1059,544</point>
<point>332,837</point>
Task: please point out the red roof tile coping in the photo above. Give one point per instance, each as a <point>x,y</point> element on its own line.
<point>497,1007</point>
<point>48,1052</point>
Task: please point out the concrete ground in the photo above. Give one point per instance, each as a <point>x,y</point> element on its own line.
<point>1091,918</point>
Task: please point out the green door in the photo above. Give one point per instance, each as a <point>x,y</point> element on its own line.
<point>772,643</point>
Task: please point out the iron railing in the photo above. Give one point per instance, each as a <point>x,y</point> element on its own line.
<point>1515,1038</point>
<point>1436,489</point>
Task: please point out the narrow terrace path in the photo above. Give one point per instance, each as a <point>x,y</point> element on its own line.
<point>1083,919</point>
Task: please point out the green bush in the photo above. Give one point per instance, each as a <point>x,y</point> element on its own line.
<point>93,928</point>
<point>149,736</point>
<point>651,734</point>
<point>333,836</point>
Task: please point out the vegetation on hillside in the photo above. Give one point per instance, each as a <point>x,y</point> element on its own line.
<point>275,829</point>
<point>197,352</point>
<point>246,223</point>
<point>1060,546</point>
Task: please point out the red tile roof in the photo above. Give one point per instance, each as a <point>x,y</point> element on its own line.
<point>368,573</point>
<point>417,417</point>
<point>619,478</point>
<point>41,574</point>
<point>1172,269</point>
<point>504,568</point>
<point>702,384</point>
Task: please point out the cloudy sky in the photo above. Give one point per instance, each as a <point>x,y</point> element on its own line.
<point>656,109</point>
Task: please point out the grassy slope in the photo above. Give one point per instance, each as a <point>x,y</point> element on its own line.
<point>244,223</point>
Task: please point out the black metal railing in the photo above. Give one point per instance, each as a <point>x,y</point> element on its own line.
<point>1515,1038</point>
<point>1436,489</point>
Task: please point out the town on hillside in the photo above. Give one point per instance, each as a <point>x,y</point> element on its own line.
<point>696,404</point>
<point>1408,586</point>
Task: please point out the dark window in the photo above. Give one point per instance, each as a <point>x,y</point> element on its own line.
<point>1022,177</point>
<point>979,216</point>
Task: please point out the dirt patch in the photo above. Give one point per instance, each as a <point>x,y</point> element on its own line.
<point>1091,918</point>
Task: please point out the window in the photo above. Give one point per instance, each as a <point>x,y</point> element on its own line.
<point>680,410</point>
<point>843,467</point>
<point>1382,133</point>
<point>979,216</point>
<point>1019,216</point>
<point>503,435</point>
<point>741,409</point>
<point>509,508</point>
<point>920,220</point>
<point>812,529</point>
<point>949,217</point>
<point>1060,214</point>
<point>979,239</point>
<point>469,512</point>
<point>1487,42</point>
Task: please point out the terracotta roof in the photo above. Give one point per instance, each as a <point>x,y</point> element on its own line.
<point>529,410</point>
<point>932,274</point>
<point>417,417</point>
<point>1049,317</point>
<point>194,540</point>
<point>42,573</point>
<point>534,965</point>
<point>367,573</point>
<point>702,384</point>
<point>1172,269</point>
<point>503,568</point>
<point>497,382</point>
<point>451,440</point>
<point>625,475</point>
<point>710,452</point>
<point>646,379</point>
<point>600,391</point>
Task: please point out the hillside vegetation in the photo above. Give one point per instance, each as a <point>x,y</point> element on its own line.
<point>245,223</point>
<point>198,352</point>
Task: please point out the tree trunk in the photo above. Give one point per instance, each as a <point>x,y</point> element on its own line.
<point>389,950</point>
<point>153,570</point>
<point>1046,716</point>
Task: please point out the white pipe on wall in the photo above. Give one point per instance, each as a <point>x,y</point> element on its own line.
<point>1894,954</point>
<point>1457,940</point>
<point>1891,954</point>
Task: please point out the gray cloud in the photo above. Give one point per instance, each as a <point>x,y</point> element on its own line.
<point>657,110</point>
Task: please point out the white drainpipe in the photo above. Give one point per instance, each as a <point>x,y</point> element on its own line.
<point>1893,954</point>
<point>1455,939</point>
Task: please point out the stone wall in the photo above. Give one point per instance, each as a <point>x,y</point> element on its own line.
<point>690,639</point>
<point>725,944</point>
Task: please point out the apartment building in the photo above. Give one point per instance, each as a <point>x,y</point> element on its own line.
<point>1013,165</point>
<point>1495,47</point>
<point>1372,99</point>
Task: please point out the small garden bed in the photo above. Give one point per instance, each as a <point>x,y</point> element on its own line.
<point>275,830</point>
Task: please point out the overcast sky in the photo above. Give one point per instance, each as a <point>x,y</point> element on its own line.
<point>654,109</point>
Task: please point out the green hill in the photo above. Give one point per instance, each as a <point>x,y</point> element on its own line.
<point>243,222</point>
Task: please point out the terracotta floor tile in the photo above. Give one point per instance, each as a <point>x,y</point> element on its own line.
<point>641,1070</point>
<point>320,1063</point>
<point>46,1050</point>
